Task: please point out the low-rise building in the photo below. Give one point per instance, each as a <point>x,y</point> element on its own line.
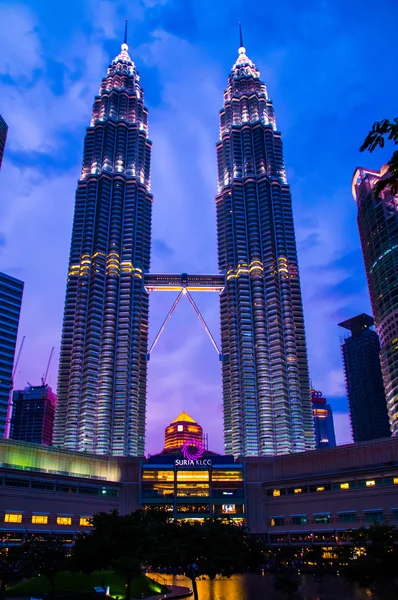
<point>307,498</point>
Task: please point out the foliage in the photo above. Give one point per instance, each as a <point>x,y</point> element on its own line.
<point>286,584</point>
<point>11,566</point>
<point>120,543</point>
<point>381,131</point>
<point>375,567</point>
<point>211,548</point>
<point>45,557</point>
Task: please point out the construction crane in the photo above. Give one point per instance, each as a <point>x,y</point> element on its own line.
<point>9,407</point>
<point>44,379</point>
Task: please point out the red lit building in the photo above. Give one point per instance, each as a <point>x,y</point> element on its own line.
<point>182,429</point>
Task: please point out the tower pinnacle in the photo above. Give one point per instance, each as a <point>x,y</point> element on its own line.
<point>124,45</point>
<point>240,36</point>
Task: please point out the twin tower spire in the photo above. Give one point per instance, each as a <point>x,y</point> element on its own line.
<point>102,385</point>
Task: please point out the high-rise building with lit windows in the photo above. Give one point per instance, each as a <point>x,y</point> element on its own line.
<point>102,375</point>
<point>323,421</point>
<point>3,137</point>
<point>266,390</point>
<point>378,229</point>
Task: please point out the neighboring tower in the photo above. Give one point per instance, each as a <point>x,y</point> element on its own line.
<point>368,409</point>
<point>378,230</point>
<point>11,291</point>
<point>323,421</point>
<point>184,428</point>
<point>267,406</point>
<point>103,369</point>
<point>3,138</point>
<point>33,415</point>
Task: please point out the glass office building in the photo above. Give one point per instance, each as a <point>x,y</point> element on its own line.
<point>364,381</point>
<point>33,414</point>
<point>323,421</point>
<point>11,291</point>
<point>103,368</point>
<point>378,229</point>
<point>266,390</point>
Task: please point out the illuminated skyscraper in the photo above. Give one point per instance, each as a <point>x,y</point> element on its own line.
<point>378,230</point>
<point>267,406</point>
<point>33,414</point>
<point>11,291</point>
<point>323,421</point>
<point>102,376</point>
<point>3,137</point>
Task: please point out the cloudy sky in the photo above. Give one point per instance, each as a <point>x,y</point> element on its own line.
<point>329,66</point>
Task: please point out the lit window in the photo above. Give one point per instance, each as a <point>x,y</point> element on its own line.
<point>344,486</point>
<point>180,427</point>
<point>276,493</point>
<point>13,518</point>
<point>395,480</point>
<point>40,519</point>
<point>297,490</point>
<point>370,483</point>
<point>320,489</point>
<point>228,508</point>
<point>85,522</point>
<point>192,475</point>
<point>272,522</point>
<point>64,520</point>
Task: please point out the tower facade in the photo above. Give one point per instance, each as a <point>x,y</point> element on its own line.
<point>364,381</point>
<point>323,421</point>
<point>11,291</point>
<point>33,414</point>
<point>266,391</point>
<point>103,370</point>
<point>378,229</point>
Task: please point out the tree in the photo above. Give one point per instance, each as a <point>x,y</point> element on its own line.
<point>211,548</point>
<point>286,584</point>
<point>120,542</point>
<point>381,131</point>
<point>11,567</point>
<point>45,556</point>
<point>375,567</point>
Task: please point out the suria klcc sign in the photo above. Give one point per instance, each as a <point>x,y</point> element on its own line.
<point>192,452</point>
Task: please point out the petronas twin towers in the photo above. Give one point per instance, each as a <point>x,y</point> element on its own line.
<point>103,365</point>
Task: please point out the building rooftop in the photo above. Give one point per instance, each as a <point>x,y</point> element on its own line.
<point>358,323</point>
<point>183,418</point>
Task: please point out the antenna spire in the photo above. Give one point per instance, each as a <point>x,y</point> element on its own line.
<point>240,35</point>
<point>125,33</point>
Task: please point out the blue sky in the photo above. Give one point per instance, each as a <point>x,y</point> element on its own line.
<point>328,67</point>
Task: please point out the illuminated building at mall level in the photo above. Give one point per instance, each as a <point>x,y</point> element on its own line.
<point>310,498</point>
<point>102,382</point>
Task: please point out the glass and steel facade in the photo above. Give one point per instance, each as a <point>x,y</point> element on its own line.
<point>364,381</point>
<point>266,391</point>
<point>211,487</point>
<point>11,291</point>
<point>323,421</point>
<point>378,230</point>
<point>103,368</point>
<point>33,414</point>
<point>3,138</point>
